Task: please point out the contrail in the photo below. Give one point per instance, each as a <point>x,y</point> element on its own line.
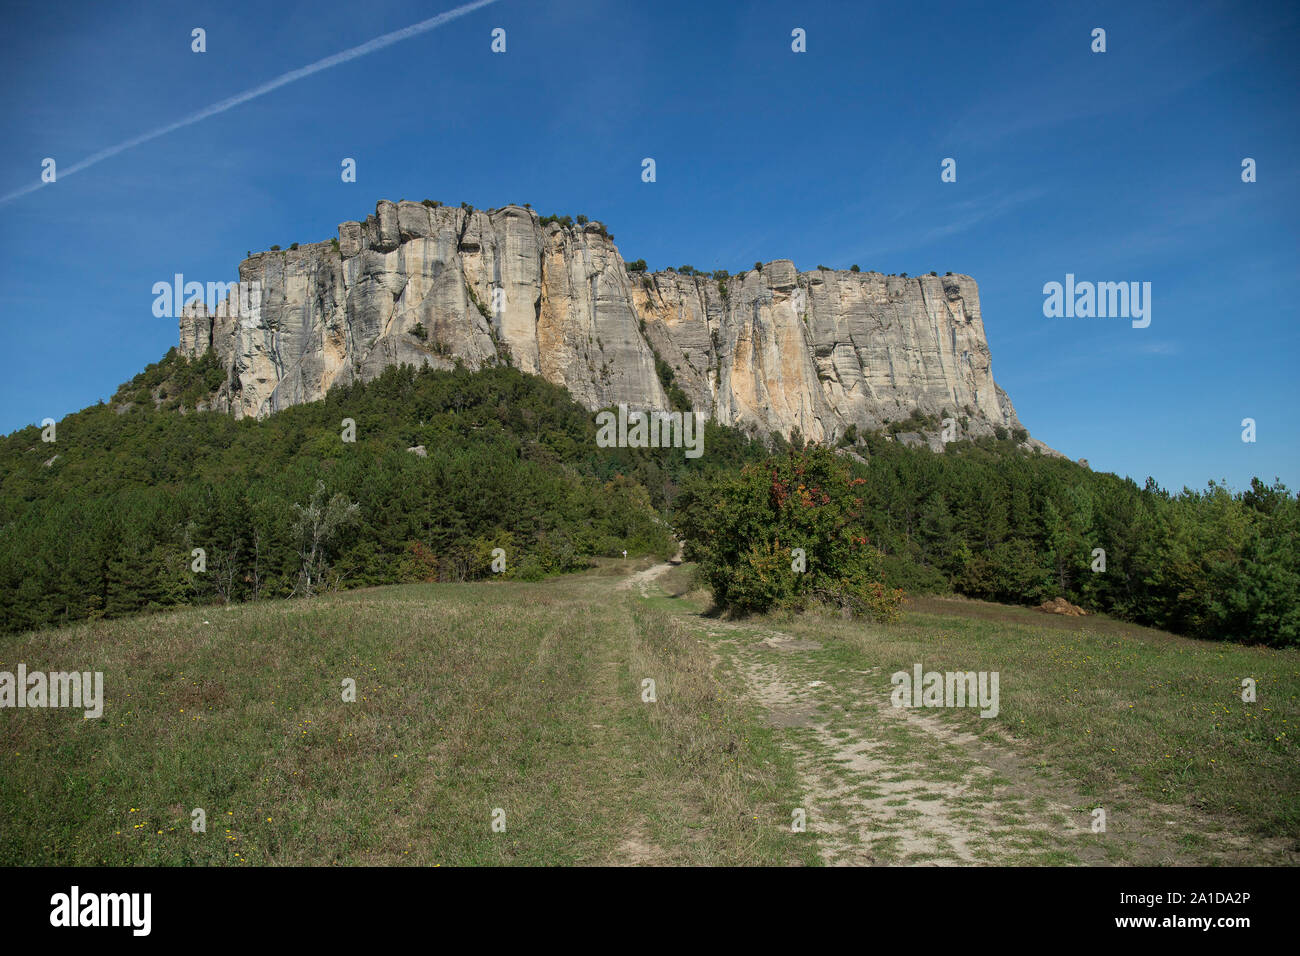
<point>378,43</point>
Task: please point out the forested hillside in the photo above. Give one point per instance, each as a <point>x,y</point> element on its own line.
<point>109,526</point>
<point>990,521</point>
<point>105,520</point>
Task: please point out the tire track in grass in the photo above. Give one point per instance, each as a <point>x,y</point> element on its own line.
<point>887,785</point>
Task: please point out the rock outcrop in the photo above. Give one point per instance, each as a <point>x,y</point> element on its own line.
<point>1061,606</point>
<point>772,350</point>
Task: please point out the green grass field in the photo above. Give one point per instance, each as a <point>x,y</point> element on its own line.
<point>523,697</point>
<point>1097,712</point>
<point>528,698</point>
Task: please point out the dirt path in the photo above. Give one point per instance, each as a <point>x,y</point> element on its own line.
<point>885,785</point>
<point>641,580</point>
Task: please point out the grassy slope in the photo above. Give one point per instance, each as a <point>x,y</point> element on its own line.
<point>1113,703</point>
<point>470,697</point>
<point>527,697</point>
<point>1128,718</point>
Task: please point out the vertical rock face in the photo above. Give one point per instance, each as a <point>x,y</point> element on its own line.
<point>774,350</point>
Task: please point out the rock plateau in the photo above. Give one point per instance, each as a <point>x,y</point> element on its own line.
<point>770,350</point>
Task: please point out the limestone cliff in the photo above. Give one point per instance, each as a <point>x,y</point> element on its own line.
<point>771,350</point>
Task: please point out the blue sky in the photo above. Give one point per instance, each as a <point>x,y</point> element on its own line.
<point>1122,166</point>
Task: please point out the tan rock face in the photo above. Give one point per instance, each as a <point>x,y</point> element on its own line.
<point>773,350</point>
